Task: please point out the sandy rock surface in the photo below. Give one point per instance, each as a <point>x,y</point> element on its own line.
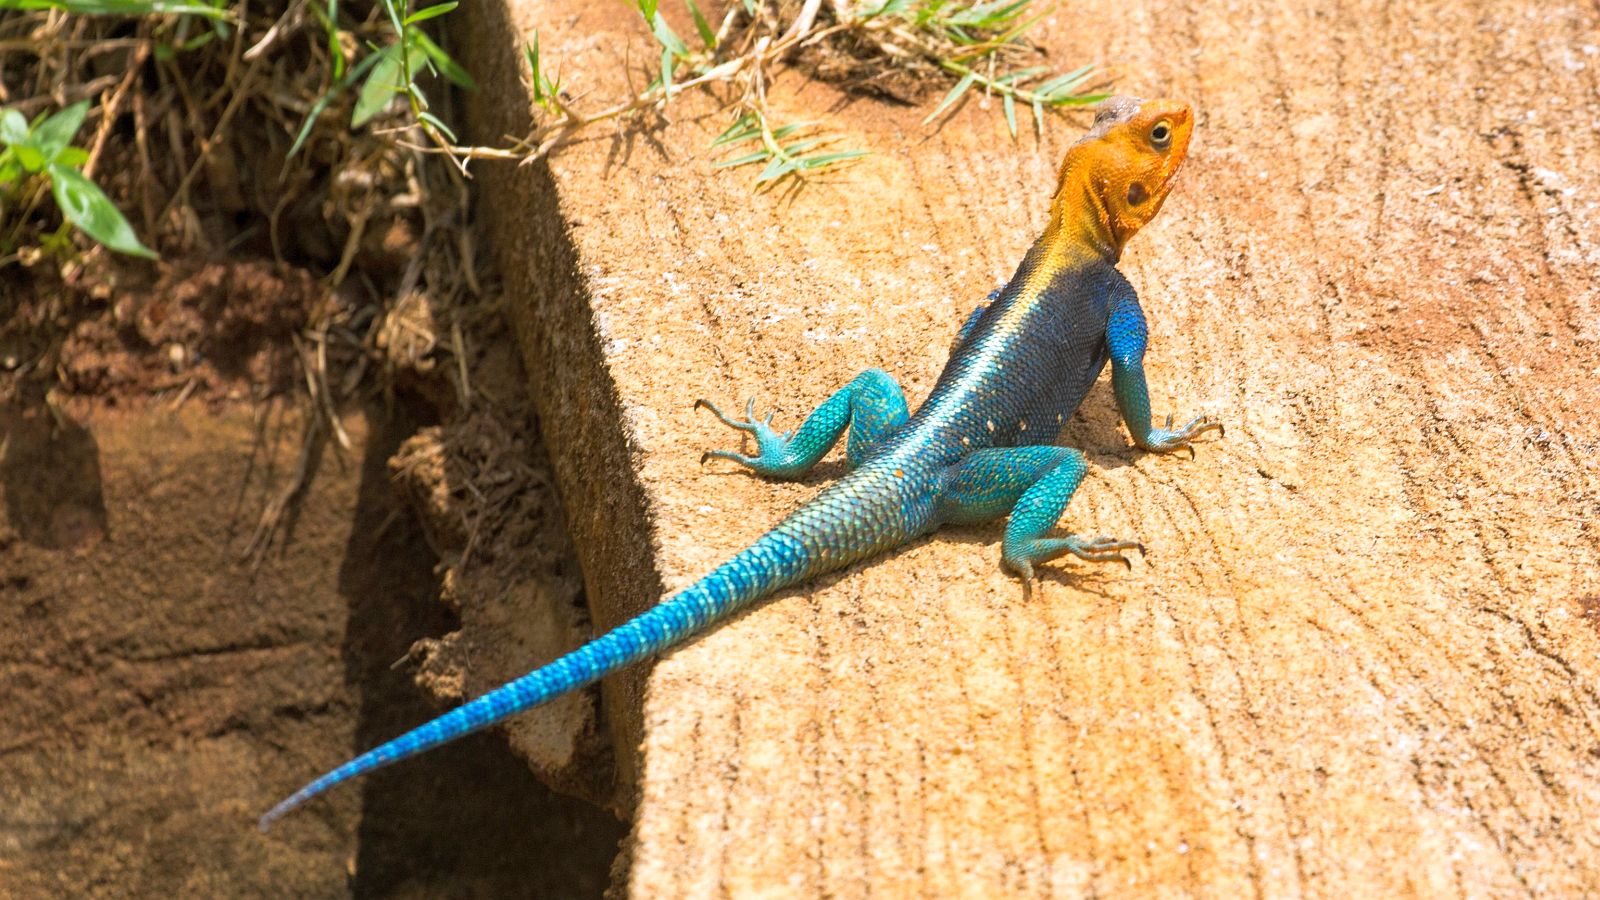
<point>1361,658</point>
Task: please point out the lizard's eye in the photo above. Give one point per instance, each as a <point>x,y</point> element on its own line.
<point>1161,135</point>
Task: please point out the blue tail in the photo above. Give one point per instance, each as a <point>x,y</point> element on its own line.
<point>774,561</point>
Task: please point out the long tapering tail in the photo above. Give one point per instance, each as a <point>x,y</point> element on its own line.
<point>772,562</point>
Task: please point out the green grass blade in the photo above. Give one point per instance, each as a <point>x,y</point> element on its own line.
<point>530,52</point>
<point>1064,82</point>
<point>828,159</point>
<point>743,128</point>
<point>708,37</point>
<point>796,148</point>
<point>438,123</point>
<point>953,96</point>
<point>787,130</point>
<point>367,62</point>
<point>668,38</point>
<point>745,160</point>
<point>393,8</point>
<point>447,66</point>
<point>124,8</point>
<point>429,12</point>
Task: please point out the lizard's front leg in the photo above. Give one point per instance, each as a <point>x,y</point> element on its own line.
<point>1033,484</point>
<point>1126,336</point>
<point>871,405</point>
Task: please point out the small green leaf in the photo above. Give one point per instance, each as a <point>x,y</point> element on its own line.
<point>51,135</point>
<point>386,80</point>
<point>776,169</point>
<point>30,157</point>
<point>953,96</point>
<point>447,66</point>
<point>647,8</point>
<point>707,36</point>
<point>429,12</point>
<point>379,88</point>
<point>74,157</point>
<point>667,62</point>
<point>13,127</point>
<point>86,206</point>
<point>1011,114</point>
<point>9,169</point>
<point>1038,117</point>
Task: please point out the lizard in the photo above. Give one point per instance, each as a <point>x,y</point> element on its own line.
<point>976,450</point>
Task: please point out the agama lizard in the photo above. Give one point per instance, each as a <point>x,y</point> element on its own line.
<point>975,451</point>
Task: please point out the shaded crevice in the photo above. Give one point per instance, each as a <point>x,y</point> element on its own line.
<point>469,813</point>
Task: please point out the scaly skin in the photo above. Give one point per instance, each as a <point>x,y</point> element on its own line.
<point>1019,367</point>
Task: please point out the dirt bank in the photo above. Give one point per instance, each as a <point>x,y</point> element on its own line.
<point>162,692</point>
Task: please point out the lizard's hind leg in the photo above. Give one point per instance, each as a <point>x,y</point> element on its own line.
<point>1033,484</point>
<point>871,405</point>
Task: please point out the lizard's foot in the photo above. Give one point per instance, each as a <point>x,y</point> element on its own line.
<point>1171,440</point>
<point>1021,560</point>
<point>773,456</point>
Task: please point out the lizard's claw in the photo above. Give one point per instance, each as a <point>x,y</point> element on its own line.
<point>1021,560</point>
<point>1171,440</point>
<point>1106,549</point>
<point>748,423</point>
<point>773,456</point>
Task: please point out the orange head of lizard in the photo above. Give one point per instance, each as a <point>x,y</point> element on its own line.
<point>1115,178</point>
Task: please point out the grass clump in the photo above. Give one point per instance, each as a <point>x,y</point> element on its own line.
<point>975,47</point>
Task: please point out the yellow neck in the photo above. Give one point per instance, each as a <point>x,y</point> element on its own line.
<point>1080,225</point>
